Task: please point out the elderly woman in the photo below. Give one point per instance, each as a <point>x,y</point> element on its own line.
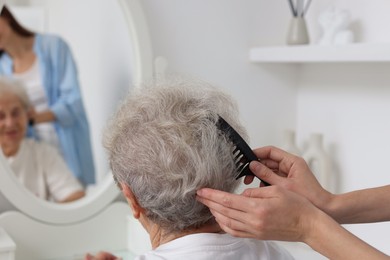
<point>163,146</point>
<point>38,166</point>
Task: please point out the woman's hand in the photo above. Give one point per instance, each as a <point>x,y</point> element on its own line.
<point>267,213</point>
<point>280,168</point>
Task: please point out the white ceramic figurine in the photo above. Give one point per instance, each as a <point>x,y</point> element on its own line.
<point>335,23</point>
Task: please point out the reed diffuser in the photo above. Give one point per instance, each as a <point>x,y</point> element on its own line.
<point>297,32</point>
<point>299,9</point>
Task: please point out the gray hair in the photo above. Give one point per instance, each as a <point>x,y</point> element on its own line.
<point>15,87</point>
<point>163,143</point>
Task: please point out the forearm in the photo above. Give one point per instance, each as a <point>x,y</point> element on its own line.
<point>74,196</point>
<point>44,116</point>
<point>362,206</point>
<point>331,240</point>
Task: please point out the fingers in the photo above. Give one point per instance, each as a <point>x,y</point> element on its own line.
<point>101,256</point>
<point>233,209</point>
<point>232,226</point>
<point>220,200</point>
<point>228,222</point>
<point>232,212</point>
<point>276,158</point>
<point>264,173</point>
<point>274,154</point>
<point>88,257</point>
<point>273,165</point>
<point>270,152</point>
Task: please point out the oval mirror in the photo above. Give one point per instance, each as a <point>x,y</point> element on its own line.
<point>110,43</point>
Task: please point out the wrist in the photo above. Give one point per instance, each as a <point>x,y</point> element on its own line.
<point>315,228</point>
<point>323,199</point>
<point>332,206</point>
<point>323,236</point>
<point>309,228</point>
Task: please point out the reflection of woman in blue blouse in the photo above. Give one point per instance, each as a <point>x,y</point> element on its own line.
<point>46,66</point>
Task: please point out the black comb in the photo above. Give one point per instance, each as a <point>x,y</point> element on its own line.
<point>242,153</point>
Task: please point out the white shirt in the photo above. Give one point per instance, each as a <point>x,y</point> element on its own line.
<point>41,169</point>
<point>212,246</point>
<point>32,80</point>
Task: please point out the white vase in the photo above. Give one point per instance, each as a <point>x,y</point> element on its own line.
<point>289,144</point>
<point>319,161</point>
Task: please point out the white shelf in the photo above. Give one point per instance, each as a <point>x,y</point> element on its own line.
<point>358,52</point>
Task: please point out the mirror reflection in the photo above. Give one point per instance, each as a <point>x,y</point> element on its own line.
<point>37,165</point>
<point>100,57</point>
<point>44,64</point>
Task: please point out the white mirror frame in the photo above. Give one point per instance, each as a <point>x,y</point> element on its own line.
<point>107,191</point>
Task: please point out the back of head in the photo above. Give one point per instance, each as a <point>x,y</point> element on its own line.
<point>164,144</point>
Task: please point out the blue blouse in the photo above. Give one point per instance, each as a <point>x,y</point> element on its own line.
<point>60,81</point>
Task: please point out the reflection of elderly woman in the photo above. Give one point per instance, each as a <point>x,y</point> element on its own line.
<point>38,166</point>
<point>45,64</point>
<point>163,146</point>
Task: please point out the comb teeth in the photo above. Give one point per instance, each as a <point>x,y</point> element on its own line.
<point>242,153</point>
<point>241,163</point>
<point>242,166</point>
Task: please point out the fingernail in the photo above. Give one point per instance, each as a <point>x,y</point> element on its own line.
<point>199,192</point>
